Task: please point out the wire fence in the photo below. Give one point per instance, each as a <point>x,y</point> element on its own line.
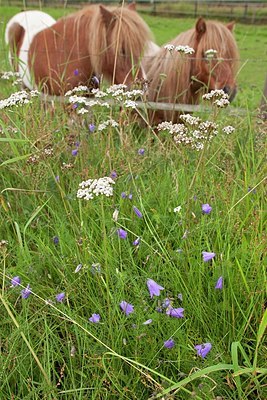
<point>253,11</point>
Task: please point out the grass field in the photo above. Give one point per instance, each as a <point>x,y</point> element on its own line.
<point>90,326</point>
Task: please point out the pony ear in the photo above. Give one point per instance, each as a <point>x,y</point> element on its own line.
<point>132,6</point>
<point>107,15</point>
<point>231,26</point>
<point>200,28</point>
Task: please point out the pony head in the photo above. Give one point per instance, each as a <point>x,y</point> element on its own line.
<point>215,56</point>
<point>117,43</point>
<point>183,78</point>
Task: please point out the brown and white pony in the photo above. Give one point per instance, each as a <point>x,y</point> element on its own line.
<point>19,33</point>
<point>181,78</point>
<point>96,41</point>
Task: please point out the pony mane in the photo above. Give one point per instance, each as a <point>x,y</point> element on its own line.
<point>170,74</point>
<point>126,33</point>
<point>220,38</point>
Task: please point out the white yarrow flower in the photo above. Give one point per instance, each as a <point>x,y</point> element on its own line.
<point>210,54</point>
<point>82,111</point>
<point>228,129</point>
<point>105,124</point>
<point>184,49</point>
<point>18,99</point>
<point>95,187</point>
<point>130,104</point>
<point>169,47</point>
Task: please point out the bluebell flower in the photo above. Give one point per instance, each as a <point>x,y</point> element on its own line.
<point>137,212</point>
<point>76,72</point>
<point>91,128</point>
<point>166,303</point>
<point>175,312</point>
<point>206,208</point>
<point>56,240</point>
<point>15,281</point>
<point>207,256</point>
<point>122,233</point>
<point>169,344</point>
<point>127,308</point>
<point>95,318</point>
<point>154,288</point>
<point>203,349</point>
<point>60,297</point>
<point>219,284</point>
<point>74,152</point>
<point>113,174</point>
<point>149,321</point>
<point>137,241</point>
<point>25,293</point>
<point>141,152</point>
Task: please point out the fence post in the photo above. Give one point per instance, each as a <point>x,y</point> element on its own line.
<point>153,2</point>
<point>263,105</point>
<point>196,4</point>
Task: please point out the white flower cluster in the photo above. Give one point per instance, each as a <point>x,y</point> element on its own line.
<point>210,54</point>
<point>116,88</point>
<point>169,47</point>
<point>77,99</point>
<point>120,93</point>
<point>86,102</point>
<point>94,187</point>
<point>18,99</point>
<point>184,49</point>
<point>117,92</point>
<point>192,132</point>
<point>9,75</point>
<point>228,129</point>
<point>218,97</point>
<point>82,111</point>
<point>109,122</point>
<point>98,93</point>
<point>17,82</point>
<point>134,93</point>
<point>190,119</point>
<point>179,49</point>
<point>80,88</point>
<point>130,104</point>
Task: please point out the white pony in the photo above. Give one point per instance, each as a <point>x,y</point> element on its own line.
<point>24,25</point>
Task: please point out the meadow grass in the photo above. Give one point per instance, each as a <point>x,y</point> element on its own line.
<point>50,349</point>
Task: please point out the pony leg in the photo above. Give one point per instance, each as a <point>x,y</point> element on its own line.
<point>15,36</point>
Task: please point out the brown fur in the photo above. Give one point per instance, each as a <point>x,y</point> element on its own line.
<point>171,74</point>
<point>96,40</point>
<point>15,39</point>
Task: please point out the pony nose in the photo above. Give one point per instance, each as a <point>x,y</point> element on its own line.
<point>230,91</point>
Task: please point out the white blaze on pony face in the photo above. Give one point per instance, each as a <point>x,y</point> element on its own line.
<point>32,22</point>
